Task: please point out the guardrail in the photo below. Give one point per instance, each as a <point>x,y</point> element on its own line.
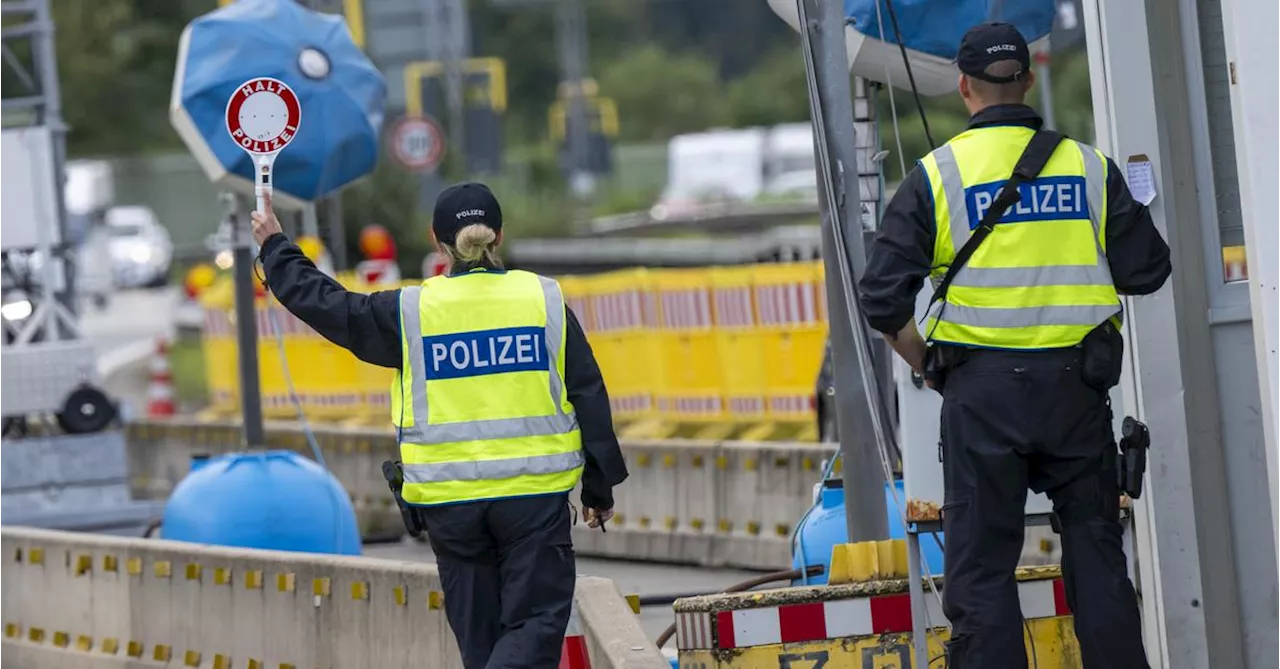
<point>720,503</point>
<point>715,216</point>
<point>87,600</point>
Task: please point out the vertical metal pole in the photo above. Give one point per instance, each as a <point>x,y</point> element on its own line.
<point>1045,85</point>
<point>443,40</point>
<point>571,40</point>
<point>919,622</point>
<point>246,326</point>
<point>46,62</point>
<point>310,226</point>
<point>337,233</point>
<point>831,104</point>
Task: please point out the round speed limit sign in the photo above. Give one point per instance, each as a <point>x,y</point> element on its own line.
<point>417,143</point>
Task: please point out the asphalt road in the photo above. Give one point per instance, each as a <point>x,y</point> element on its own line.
<point>642,578</point>
<point>130,317</point>
<point>124,336</point>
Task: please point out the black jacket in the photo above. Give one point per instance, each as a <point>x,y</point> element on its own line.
<point>902,254</point>
<point>369,327</point>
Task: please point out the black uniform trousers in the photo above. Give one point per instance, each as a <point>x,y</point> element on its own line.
<point>1012,421</point>
<point>507,569</point>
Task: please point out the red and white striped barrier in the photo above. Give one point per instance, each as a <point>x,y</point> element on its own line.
<point>573,652</point>
<point>627,310</point>
<point>630,403</point>
<point>788,304</point>
<point>837,619</point>
<point>734,308</point>
<point>686,309</point>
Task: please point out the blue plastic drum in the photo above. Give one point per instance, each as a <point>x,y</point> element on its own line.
<point>274,500</point>
<point>825,526</point>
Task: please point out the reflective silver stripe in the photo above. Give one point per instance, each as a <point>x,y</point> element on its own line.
<point>555,334</point>
<point>953,189</point>
<point>479,470</point>
<point>1095,179</point>
<point>496,428</point>
<point>422,432</point>
<point>411,323</point>
<point>1019,277</point>
<point>1029,316</point>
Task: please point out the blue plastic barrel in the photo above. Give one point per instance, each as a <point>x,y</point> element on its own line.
<point>825,526</point>
<point>268,499</point>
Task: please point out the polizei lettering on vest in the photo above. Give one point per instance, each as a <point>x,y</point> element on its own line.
<point>1044,199</point>
<point>501,351</point>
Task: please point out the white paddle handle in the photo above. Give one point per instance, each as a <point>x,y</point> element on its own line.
<point>262,184</point>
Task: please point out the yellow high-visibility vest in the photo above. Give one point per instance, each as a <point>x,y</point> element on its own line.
<point>480,401</point>
<point>1040,280</point>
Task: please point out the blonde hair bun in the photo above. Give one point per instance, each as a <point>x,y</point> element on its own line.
<point>474,241</point>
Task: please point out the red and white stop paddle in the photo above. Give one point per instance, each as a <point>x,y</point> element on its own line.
<point>263,116</point>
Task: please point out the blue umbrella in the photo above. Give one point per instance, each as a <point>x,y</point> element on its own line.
<point>340,90</point>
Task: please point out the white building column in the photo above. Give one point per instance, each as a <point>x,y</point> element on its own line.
<point>1252,54</point>
<point>1205,580</point>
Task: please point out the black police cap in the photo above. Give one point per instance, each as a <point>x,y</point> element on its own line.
<point>465,204</point>
<point>988,43</point>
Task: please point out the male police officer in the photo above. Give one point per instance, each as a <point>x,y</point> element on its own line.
<point>1024,337</point>
<point>499,404</point>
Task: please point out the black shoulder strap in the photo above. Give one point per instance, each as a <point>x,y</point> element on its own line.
<point>1041,146</point>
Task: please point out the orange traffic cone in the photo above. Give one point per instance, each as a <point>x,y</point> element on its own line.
<point>160,393</point>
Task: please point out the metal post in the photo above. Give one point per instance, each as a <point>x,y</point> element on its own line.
<point>831,108</point>
<point>446,35</point>
<point>571,41</point>
<point>337,233</point>
<point>1044,83</point>
<point>915,583</point>
<point>310,226</point>
<point>246,326</point>
<point>46,63</point>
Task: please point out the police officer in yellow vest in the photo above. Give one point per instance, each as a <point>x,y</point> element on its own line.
<point>1025,339</point>
<point>500,409</point>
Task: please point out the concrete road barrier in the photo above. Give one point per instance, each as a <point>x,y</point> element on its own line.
<point>83,600</point>
<point>711,503</point>
<point>699,502</point>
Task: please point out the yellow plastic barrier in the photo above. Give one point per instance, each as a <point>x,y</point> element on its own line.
<point>618,312</point>
<point>724,351</point>
<point>219,347</point>
<point>792,323</point>
<point>739,344</point>
<point>691,367</point>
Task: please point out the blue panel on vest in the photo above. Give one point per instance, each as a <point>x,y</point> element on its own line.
<point>1044,199</point>
<point>455,356</point>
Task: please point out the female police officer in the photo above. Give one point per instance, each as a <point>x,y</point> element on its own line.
<point>500,409</point>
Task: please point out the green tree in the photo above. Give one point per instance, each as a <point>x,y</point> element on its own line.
<point>774,92</point>
<point>115,71</point>
<point>660,94</point>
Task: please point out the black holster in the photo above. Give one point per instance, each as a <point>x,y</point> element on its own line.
<point>939,360</point>
<point>392,472</point>
<point>1135,439</point>
<point>1102,357</point>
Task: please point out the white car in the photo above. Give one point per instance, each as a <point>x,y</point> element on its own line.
<point>139,246</point>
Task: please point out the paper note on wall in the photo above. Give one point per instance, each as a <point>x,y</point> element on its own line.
<point>1141,176</point>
